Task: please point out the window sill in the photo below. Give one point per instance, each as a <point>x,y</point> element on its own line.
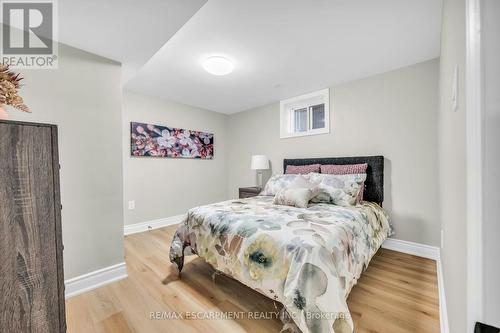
<point>308,133</point>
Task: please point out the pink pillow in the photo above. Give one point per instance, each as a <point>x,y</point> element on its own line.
<point>302,169</point>
<point>346,169</point>
<point>359,198</point>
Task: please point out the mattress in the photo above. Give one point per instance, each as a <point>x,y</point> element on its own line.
<point>308,259</point>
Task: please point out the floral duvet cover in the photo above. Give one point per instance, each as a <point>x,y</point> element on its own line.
<point>306,258</point>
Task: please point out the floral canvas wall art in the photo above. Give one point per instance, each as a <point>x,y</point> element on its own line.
<point>162,141</point>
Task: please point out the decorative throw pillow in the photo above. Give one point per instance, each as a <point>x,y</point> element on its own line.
<point>302,169</point>
<point>277,182</point>
<point>296,197</point>
<point>347,169</point>
<point>341,190</point>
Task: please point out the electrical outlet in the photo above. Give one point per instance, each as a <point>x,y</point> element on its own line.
<point>131,205</point>
<point>442,238</point>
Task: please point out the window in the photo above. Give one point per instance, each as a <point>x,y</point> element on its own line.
<point>305,115</point>
<point>300,120</point>
<point>317,116</point>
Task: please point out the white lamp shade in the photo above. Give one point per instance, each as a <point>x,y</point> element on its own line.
<point>259,162</point>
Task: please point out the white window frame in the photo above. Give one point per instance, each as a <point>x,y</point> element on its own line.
<point>292,118</point>
<point>307,101</point>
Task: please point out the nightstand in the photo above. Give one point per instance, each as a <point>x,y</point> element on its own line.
<point>247,192</point>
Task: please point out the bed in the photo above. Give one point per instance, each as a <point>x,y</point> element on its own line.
<point>308,259</point>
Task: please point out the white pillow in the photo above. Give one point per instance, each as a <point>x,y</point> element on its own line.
<point>341,190</point>
<point>303,181</point>
<point>278,182</point>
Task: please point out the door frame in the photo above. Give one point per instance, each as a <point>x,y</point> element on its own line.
<point>474,162</point>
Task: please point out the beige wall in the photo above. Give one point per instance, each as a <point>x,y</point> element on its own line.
<point>163,187</point>
<point>452,160</point>
<point>393,114</point>
<point>83,97</point>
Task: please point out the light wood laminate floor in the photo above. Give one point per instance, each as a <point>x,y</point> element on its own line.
<point>397,294</point>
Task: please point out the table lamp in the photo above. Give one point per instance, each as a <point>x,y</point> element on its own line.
<point>259,163</point>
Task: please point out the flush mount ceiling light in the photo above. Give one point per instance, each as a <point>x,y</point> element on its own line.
<point>218,65</point>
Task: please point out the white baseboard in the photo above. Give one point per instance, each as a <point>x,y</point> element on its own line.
<point>87,282</point>
<point>130,229</point>
<point>416,249</point>
<point>443,312</point>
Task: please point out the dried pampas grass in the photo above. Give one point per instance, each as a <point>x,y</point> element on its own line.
<point>9,85</point>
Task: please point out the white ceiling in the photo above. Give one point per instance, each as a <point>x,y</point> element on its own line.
<point>129,31</point>
<point>283,48</point>
<point>280,48</point>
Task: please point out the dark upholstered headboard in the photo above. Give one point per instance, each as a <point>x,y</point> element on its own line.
<point>374,184</point>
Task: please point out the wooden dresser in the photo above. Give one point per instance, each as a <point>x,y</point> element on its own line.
<point>31,270</point>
